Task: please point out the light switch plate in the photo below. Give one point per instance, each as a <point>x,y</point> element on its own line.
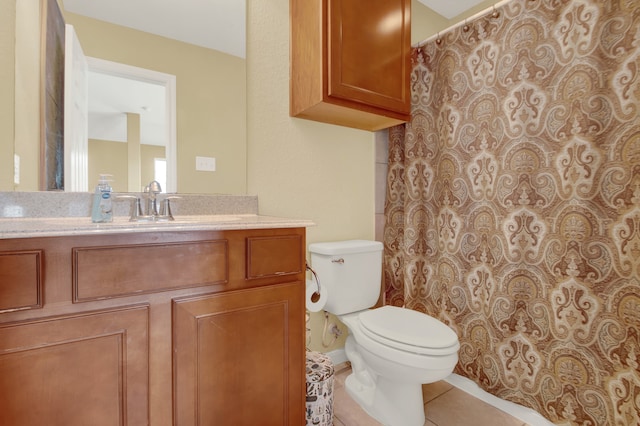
<point>16,169</point>
<point>206,164</point>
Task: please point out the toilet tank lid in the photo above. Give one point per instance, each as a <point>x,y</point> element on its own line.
<point>345,247</point>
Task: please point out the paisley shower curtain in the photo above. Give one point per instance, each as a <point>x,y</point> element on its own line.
<point>513,204</point>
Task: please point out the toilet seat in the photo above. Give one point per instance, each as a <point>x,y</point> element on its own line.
<point>408,330</point>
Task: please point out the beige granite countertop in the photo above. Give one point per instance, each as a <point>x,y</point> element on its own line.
<point>59,226</point>
<point>48,214</point>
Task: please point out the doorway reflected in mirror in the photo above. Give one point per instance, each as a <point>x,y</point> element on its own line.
<point>131,115</point>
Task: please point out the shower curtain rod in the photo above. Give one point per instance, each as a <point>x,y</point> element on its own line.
<point>478,15</point>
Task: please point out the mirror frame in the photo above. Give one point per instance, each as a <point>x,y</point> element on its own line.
<point>153,77</point>
<point>52,65</point>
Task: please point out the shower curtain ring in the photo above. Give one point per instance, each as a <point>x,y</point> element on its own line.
<point>466,26</point>
<point>438,39</point>
<point>495,13</point>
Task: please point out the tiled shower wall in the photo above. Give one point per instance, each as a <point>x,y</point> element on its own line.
<point>382,150</point>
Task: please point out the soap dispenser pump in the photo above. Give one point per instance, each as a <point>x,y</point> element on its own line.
<point>102,209</point>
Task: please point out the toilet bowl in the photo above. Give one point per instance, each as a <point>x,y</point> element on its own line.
<point>392,357</point>
<point>393,351</point>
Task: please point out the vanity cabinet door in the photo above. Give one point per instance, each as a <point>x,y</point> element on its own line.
<point>239,357</point>
<point>76,370</point>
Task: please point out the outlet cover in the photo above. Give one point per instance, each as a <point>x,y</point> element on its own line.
<point>206,164</point>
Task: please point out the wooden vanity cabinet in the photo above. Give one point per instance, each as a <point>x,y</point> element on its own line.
<point>350,62</point>
<point>159,328</point>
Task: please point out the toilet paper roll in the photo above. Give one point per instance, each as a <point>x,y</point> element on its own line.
<point>314,301</point>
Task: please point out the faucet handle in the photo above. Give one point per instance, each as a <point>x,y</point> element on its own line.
<point>165,207</point>
<point>136,207</point>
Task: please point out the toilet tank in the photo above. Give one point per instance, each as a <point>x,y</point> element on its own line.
<point>351,271</point>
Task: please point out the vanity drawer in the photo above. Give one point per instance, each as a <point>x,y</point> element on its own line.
<point>126,270</point>
<point>21,280</point>
<point>274,256</point>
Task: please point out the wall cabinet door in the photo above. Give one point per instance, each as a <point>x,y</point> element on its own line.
<point>76,370</point>
<point>239,357</point>
<point>350,61</point>
<point>368,53</point>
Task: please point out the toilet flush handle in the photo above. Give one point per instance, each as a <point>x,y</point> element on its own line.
<point>340,261</point>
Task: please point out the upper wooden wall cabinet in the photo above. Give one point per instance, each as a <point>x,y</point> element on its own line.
<point>350,62</point>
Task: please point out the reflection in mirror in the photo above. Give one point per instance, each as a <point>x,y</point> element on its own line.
<point>210,99</point>
<point>210,96</point>
<point>131,114</point>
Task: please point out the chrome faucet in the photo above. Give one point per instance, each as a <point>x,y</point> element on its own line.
<point>151,192</point>
<point>151,212</point>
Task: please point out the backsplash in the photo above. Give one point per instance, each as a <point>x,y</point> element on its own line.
<point>78,204</point>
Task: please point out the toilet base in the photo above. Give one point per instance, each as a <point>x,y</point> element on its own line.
<point>390,403</point>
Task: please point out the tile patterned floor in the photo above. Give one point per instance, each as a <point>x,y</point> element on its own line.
<point>445,405</point>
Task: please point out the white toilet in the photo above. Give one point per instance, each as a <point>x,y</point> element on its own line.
<point>392,350</point>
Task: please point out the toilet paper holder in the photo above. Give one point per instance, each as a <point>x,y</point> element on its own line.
<point>316,294</point>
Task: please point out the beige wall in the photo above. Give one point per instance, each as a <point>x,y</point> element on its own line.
<point>109,157</point>
<point>210,92</point>
<point>425,22</point>
<point>20,88</point>
<point>7,88</point>
<point>28,100</point>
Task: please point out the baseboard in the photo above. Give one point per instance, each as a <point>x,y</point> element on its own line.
<point>338,356</point>
<point>527,415</point>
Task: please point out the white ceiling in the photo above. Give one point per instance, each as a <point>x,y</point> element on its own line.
<point>216,24</point>
<point>111,96</point>
<point>450,8</point>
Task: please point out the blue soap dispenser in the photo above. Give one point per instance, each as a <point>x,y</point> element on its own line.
<point>101,211</point>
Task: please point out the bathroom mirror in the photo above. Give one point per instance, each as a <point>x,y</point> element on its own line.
<point>210,96</point>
